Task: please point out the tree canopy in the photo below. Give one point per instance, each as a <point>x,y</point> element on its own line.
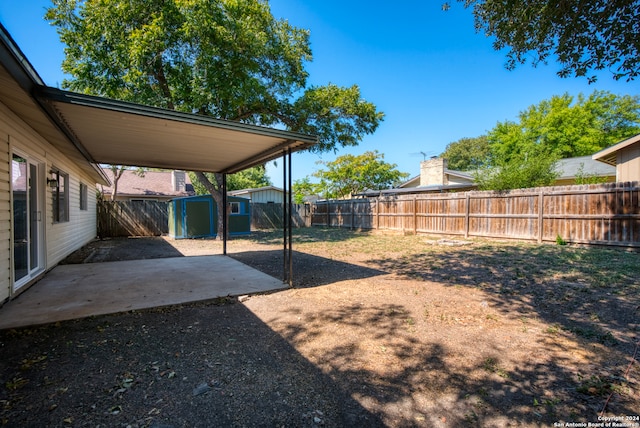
<point>351,174</point>
<point>567,126</point>
<point>584,36</point>
<point>523,153</point>
<point>229,59</point>
<point>251,178</point>
<point>467,154</point>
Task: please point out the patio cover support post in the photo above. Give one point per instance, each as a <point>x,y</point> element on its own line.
<point>224,214</point>
<point>284,216</point>
<point>290,220</point>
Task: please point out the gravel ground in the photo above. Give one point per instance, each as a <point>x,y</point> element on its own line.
<point>379,330</point>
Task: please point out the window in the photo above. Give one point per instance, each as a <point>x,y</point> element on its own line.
<point>235,207</point>
<point>59,183</point>
<point>84,192</point>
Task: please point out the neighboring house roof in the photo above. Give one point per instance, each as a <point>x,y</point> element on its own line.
<point>571,167</point>
<point>412,182</point>
<point>568,169</point>
<point>609,155</point>
<point>153,183</point>
<point>415,181</point>
<point>418,189</point>
<point>460,174</point>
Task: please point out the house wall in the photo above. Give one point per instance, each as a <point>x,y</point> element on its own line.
<point>266,196</point>
<point>60,239</point>
<point>628,168</point>
<point>5,213</point>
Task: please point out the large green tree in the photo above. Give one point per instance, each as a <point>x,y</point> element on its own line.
<point>584,36</point>
<point>230,59</point>
<point>523,153</point>
<point>568,126</point>
<point>467,154</point>
<point>351,174</point>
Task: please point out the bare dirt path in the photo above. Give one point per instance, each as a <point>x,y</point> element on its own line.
<point>380,330</point>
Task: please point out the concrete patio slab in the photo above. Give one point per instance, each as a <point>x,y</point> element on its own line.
<point>76,291</point>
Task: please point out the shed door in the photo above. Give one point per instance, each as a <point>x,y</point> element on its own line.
<point>198,218</point>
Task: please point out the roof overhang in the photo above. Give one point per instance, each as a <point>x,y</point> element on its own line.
<point>91,130</point>
<point>610,154</point>
<point>122,133</point>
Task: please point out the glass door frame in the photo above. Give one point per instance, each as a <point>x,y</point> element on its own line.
<point>35,221</point>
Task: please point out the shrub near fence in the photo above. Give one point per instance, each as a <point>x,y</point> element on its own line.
<point>607,214</point>
<point>132,218</point>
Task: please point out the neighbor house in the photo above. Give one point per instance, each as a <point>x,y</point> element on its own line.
<point>263,195</point>
<point>435,176</point>
<point>625,157</point>
<point>160,186</point>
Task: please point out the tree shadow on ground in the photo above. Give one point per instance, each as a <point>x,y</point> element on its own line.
<point>197,365</point>
<point>558,285</point>
<point>308,270</point>
<point>427,383</point>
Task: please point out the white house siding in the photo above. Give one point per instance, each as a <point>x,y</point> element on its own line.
<point>628,168</point>
<point>264,196</point>
<point>5,216</point>
<point>61,239</point>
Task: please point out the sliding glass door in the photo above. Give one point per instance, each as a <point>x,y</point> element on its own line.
<point>28,229</point>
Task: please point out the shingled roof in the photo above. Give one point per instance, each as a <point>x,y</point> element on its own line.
<point>153,183</point>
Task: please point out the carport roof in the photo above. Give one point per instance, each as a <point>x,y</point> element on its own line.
<point>121,133</point>
<point>98,130</point>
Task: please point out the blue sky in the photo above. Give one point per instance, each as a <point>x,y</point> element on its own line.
<point>433,76</point>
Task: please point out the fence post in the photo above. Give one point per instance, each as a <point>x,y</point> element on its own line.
<point>467,210</point>
<point>328,214</point>
<point>378,213</point>
<point>415,214</point>
<point>540,214</point>
<point>352,215</point>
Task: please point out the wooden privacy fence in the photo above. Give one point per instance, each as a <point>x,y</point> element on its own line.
<point>132,218</point>
<point>607,214</point>
<point>269,215</point>
<point>149,218</point>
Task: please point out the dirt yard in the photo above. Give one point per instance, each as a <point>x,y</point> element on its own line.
<point>379,330</point>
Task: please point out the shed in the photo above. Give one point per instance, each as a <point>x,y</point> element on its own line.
<point>196,217</point>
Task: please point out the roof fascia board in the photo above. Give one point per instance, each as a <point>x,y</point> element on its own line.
<point>58,95</point>
<point>604,153</point>
<point>267,155</point>
<point>30,81</point>
<point>18,66</point>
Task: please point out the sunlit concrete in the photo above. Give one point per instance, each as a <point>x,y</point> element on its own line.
<point>76,291</point>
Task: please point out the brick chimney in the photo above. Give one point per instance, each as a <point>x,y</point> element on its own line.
<point>178,180</point>
<point>432,172</point>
